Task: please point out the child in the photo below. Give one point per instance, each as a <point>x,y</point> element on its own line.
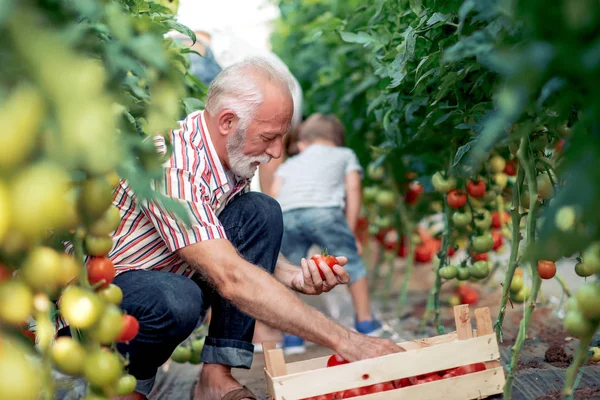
<point>320,194</point>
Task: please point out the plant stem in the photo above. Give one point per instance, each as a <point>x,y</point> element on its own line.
<point>443,256</point>
<point>376,269</point>
<point>564,286</point>
<point>407,271</point>
<point>80,258</point>
<point>581,357</point>
<point>514,249</point>
<point>526,159</point>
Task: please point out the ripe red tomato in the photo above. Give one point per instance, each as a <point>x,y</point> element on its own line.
<point>469,297</point>
<point>457,198</point>
<point>329,396</point>
<point>451,373</point>
<point>100,270</point>
<point>496,219</point>
<point>476,189</point>
<point>380,387</point>
<point>423,253</point>
<point>130,329</point>
<point>479,256</point>
<point>429,378</point>
<point>546,269</point>
<point>510,169</point>
<point>349,393</point>
<point>380,236</point>
<point>498,239</point>
<point>415,189</point>
<point>329,260</point>
<point>451,251</point>
<point>336,360</point>
<point>404,382</point>
<point>470,368</point>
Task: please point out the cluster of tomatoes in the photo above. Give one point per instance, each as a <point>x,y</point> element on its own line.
<point>336,360</point>
<point>48,279</point>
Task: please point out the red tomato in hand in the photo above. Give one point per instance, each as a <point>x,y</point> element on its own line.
<point>100,270</point>
<point>329,260</point>
<point>130,329</point>
<point>457,198</point>
<point>496,219</point>
<point>546,269</point>
<point>336,360</point>
<point>476,189</point>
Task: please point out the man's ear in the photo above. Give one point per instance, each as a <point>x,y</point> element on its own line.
<point>227,122</point>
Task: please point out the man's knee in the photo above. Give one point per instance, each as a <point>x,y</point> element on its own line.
<point>259,211</point>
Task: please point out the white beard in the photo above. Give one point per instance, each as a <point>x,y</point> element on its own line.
<point>239,163</point>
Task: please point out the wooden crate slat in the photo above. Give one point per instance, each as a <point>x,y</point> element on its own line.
<point>277,362</point>
<point>466,387</point>
<point>381,369</point>
<point>462,318</point>
<point>483,320</point>
<point>321,362</point>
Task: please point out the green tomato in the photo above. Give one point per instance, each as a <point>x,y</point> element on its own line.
<point>483,219</point>
<point>461,219</point>
<point>443,185</point>
<point>479,270</point>
<point>107,223</point>
<point>483,243</point>
<point>517,284</point>
<point>462,274</point>
<point>544,186</point>
<point>108,328</point>
<point>591,257</point>
<point>583,269</point>
<point>386,198</point>
<point>489,196</point>
<point>595,354</point>
<point>375,173</point>
<point>126,385</point>
<point>68,356</point>
<point>577,324</point>
<point>521,295</point>
<point>448,272</point>
<point>181,354</point>
<point>370,194</point>
<point>588,300</point>
<point>102,367</point>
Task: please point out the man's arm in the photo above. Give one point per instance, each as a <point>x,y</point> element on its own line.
<point>258,294</point>
<point>353,199</point>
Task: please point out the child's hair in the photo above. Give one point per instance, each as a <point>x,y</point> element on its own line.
<point>319,126</point>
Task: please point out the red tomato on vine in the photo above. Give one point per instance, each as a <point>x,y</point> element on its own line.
<point>100,270</point>
<point>476,189</point>
<point>546,269</point>
<point>457,198</point>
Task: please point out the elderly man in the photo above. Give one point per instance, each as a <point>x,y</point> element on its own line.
<point>228,257</point>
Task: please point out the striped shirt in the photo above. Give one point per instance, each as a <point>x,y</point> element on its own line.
<point>149,235</point>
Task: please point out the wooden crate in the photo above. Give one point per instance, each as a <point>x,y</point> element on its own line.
<point>464,346</point>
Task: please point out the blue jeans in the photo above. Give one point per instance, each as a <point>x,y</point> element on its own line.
<point>169,307</point>
<point>325,227</point>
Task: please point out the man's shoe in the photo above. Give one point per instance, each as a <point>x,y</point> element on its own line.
<point>370,328</point>
<point>293,344</point>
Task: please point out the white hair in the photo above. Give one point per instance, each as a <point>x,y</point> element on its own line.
<point>236,87</point>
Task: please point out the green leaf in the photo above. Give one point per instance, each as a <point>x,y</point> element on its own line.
<point>437,17</point>
<point>192,104</point>
<point>463,11</point>
<point>176,26</point>
<point>360,38</point>
<point>462,150</point>
<point>474,45</point>
<point>549,88</point>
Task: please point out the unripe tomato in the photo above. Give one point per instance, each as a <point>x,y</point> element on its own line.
<point>20,377</point>
<point>102,368</point>
<point>483,219</point>
<point>583,270</point>
<point>479,270</point>
<point>442,185</point>
<point>106,224</point>
<point>181,354</point>
<point>500,179</point>
<point>517,283</point>
<point>375,173</point>
<point>457,198</point>
<point>16,302</point>
<point>462,274</point>
<point>5,214</point>
<point>461,219</point>
<point>448,272</point>
<point>521,295</point>
<point>125,385</point>
<point>81,308</point>
<point>111,294</point>
<point>100,271</point>
<point>546,269</point>
<point>544,186</point>
<point>386,199</point>
<point>497,164</point>
<point>476,189</point>
<point>588,300</point>
<point>483,243</point>
<point>577,324</point>
<point>42,269</point>
<point>109,326</point>
<point>595,354</point>
<point>68,356</point>
<point>69,269</point>
<point>98,246</point>
<point>591,257</point>
<point>95,198</point>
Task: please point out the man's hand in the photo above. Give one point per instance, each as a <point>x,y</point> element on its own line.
<point>309,281</point>
<point>361,347</point>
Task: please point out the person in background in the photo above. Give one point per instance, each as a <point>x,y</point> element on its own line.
<point>319,191</point>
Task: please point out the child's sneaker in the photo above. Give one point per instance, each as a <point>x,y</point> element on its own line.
<point>293,344</point>
<point>371,328</point>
